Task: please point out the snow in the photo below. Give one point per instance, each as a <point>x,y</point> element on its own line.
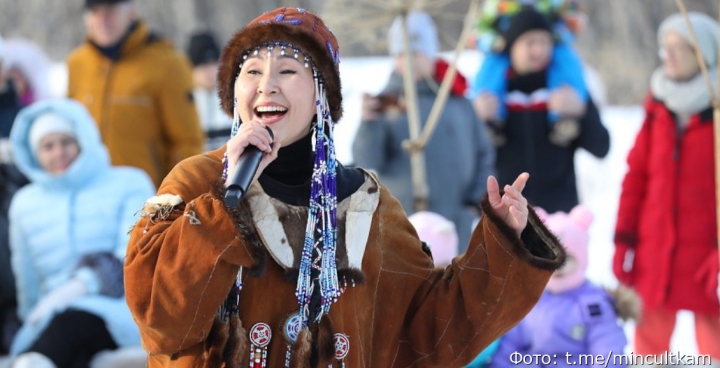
<point>599,180</point>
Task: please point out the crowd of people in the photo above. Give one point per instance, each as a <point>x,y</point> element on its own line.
<point>115,234</point>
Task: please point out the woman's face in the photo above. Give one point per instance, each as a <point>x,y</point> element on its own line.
<point>56,152</point>
<point>278,91</point>
<point>678,58</point>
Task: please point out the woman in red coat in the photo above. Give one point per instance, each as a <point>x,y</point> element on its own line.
<point>666,234</point>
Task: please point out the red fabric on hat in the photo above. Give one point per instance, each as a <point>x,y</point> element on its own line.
<point>459,84</point>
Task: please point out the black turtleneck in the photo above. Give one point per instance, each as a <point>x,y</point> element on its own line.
<point>114,52</point>
<point>288,177</point>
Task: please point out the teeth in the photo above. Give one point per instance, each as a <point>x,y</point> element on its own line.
<point>271,109</point>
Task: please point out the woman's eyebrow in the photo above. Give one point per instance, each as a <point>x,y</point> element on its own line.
<point>286,56</point>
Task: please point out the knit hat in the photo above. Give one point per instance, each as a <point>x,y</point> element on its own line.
<point>91,3</point>
<point>572,231</point>
<point>203,49</point>
<point>439,233</point>
<point>46,124</point>
<point>527,19</point>
<point>421,32</point>
<point>303,30</point>
<point>705,28</point>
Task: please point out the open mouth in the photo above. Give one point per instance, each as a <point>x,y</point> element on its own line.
<point>270,112</point>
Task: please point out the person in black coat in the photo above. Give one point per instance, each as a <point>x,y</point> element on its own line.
<point>527,140</point>
<point>10,181</point>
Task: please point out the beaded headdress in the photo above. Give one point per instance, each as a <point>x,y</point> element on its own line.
<point>301,33</point>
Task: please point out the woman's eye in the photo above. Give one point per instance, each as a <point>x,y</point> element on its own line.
<point>253,71</point>
<point>288,71</point>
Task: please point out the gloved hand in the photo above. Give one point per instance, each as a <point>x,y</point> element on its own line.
<point>57,299</point>
<point>623,262</point>
<point>707,274</point>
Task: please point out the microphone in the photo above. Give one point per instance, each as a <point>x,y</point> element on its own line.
<point>244,173</point>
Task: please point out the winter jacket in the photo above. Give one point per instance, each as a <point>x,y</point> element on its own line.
<point>9,108</point>
<point>667,215</point>
<point>10,182</point>
<point>142,103</point>
<point>562,327</point>
<point>397,314</point>
<point>458,157</point>
<point>57,221</point>
<point>216,124</point>
<point>527,146</point>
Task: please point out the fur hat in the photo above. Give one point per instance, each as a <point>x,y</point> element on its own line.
<point>46,124</point>
<point>203,49</point>
<point>706,30</point>
<point>527,19</point>
<point>572,230</point>
<point>439,233</point>
<point>301,28</point>
<point>421,32</point>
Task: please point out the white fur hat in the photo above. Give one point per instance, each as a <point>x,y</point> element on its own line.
<point>49,123</point>
<point>706,30</point>
<point>421,31</point>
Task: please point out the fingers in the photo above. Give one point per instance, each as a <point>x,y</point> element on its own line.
<point>274,152</point>
<point>511,198</point>
<point>520,182</point>
<point>493,191</point>
<point>251,133</point>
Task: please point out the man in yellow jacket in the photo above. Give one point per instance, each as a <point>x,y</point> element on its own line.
<point>138,89</point>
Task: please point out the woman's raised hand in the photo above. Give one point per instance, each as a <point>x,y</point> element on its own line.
<point>251,133</point>
<point>512,206</point>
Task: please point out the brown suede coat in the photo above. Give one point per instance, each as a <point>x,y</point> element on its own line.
<point>182,261</point>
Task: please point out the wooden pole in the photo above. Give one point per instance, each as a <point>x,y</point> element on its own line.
<point>698,54</point>
<point>716,110</point>
<point>417,156</point>
<point>444,91</point>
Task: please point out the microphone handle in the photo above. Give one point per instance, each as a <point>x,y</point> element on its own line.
<point>244,173</point>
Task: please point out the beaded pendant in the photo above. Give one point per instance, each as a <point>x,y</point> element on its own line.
<point>260,335</point>
<point>291,329</point>
<point>342,347</point>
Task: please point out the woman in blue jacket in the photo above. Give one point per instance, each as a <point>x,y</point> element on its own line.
<point>68,234</point>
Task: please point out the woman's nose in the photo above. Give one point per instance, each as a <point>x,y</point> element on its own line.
<point>268,84</point>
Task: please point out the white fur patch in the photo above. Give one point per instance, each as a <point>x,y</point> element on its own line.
<point>269,227</point>
<point>160,205</point>
<point>358,221</point>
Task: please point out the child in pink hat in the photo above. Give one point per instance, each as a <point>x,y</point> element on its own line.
<point>438,233</point>
<point>573,316</point>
